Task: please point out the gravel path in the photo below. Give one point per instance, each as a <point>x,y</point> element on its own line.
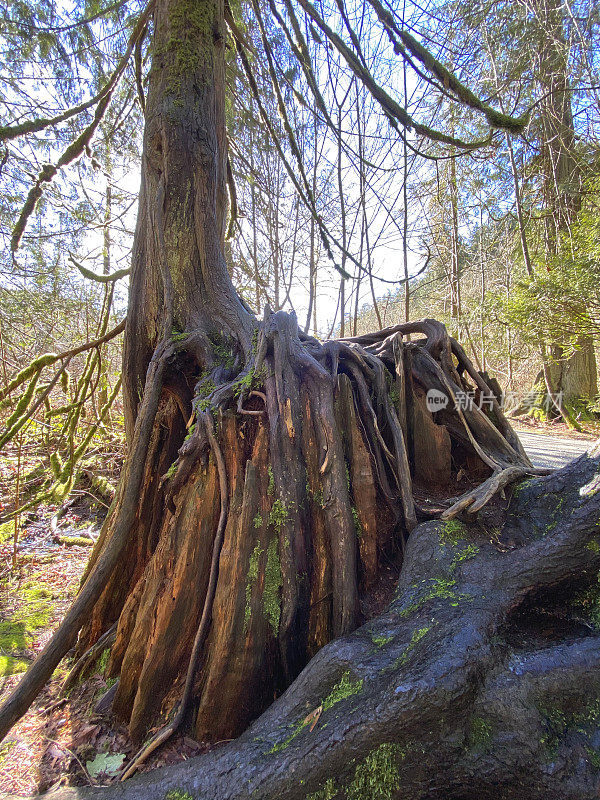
<point>552,451</point>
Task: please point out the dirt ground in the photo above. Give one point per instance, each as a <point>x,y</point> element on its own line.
<point>61,740</point>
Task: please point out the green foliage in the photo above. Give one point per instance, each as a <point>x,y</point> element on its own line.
<point>557,304</point>
<point>257,521</point>
<point>105,763</point>
<point>178,794</point>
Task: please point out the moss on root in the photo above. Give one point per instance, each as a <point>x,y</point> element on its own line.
<point>452,532</point>
<point>378,776</point>
<point>273,583</point>
<point>480,735</point>
<point>344,688</point>
<point>271,601</point>
<point>178,794</point>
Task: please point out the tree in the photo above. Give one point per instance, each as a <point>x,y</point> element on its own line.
<point>268,473</point>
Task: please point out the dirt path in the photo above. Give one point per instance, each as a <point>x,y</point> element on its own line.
<point>552,451</point>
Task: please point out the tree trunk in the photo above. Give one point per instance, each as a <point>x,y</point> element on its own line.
<point>480,680</point>
<point>575,377</point>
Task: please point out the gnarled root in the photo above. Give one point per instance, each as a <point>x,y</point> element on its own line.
<point>319,452</point>
<point>479,679</point>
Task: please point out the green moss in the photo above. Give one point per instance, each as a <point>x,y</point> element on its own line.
<point>328,792</point>
<point>257,521</point>
<point>273,583</point>
<point>248,381</point>
<point>271,486</point>
<point>452,532</point>
<point>377,777</point>
<point>480,734</point>
<point>172,470</point>
<point>178,794</point>
<point>518,488</point>
<point>417,635</point>
<point>5,749</point>
<point>7,531</point>
<point>316,496</point>
<point>17,633</point>
<point>278,515</point>
<point>12,666</point>
<point>380,641</point>
<point>559,723</point>
<point>103,660</point>
<point>298,728</point>
<point>345,687</point>
<point>593,757</point>
<point>593,546</point>
<point>204,389</point>
<point>224,355</point>
<point>251,580</point>
<point>357,523</point>
<point>463,555</point>
<point>433,589</point>
<point>189,44</point>
<point>588,603</point>
<point>75,541</point>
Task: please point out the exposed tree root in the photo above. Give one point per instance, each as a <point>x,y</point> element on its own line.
<point>308,479</point>
<point>87,660</point>
<point>163,735</point>
<point>453,691</point>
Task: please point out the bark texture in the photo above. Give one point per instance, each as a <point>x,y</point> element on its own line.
<point>479,680</point>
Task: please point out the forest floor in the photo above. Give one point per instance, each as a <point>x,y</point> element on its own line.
<point>590,430</point>
<point>63,740</point>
